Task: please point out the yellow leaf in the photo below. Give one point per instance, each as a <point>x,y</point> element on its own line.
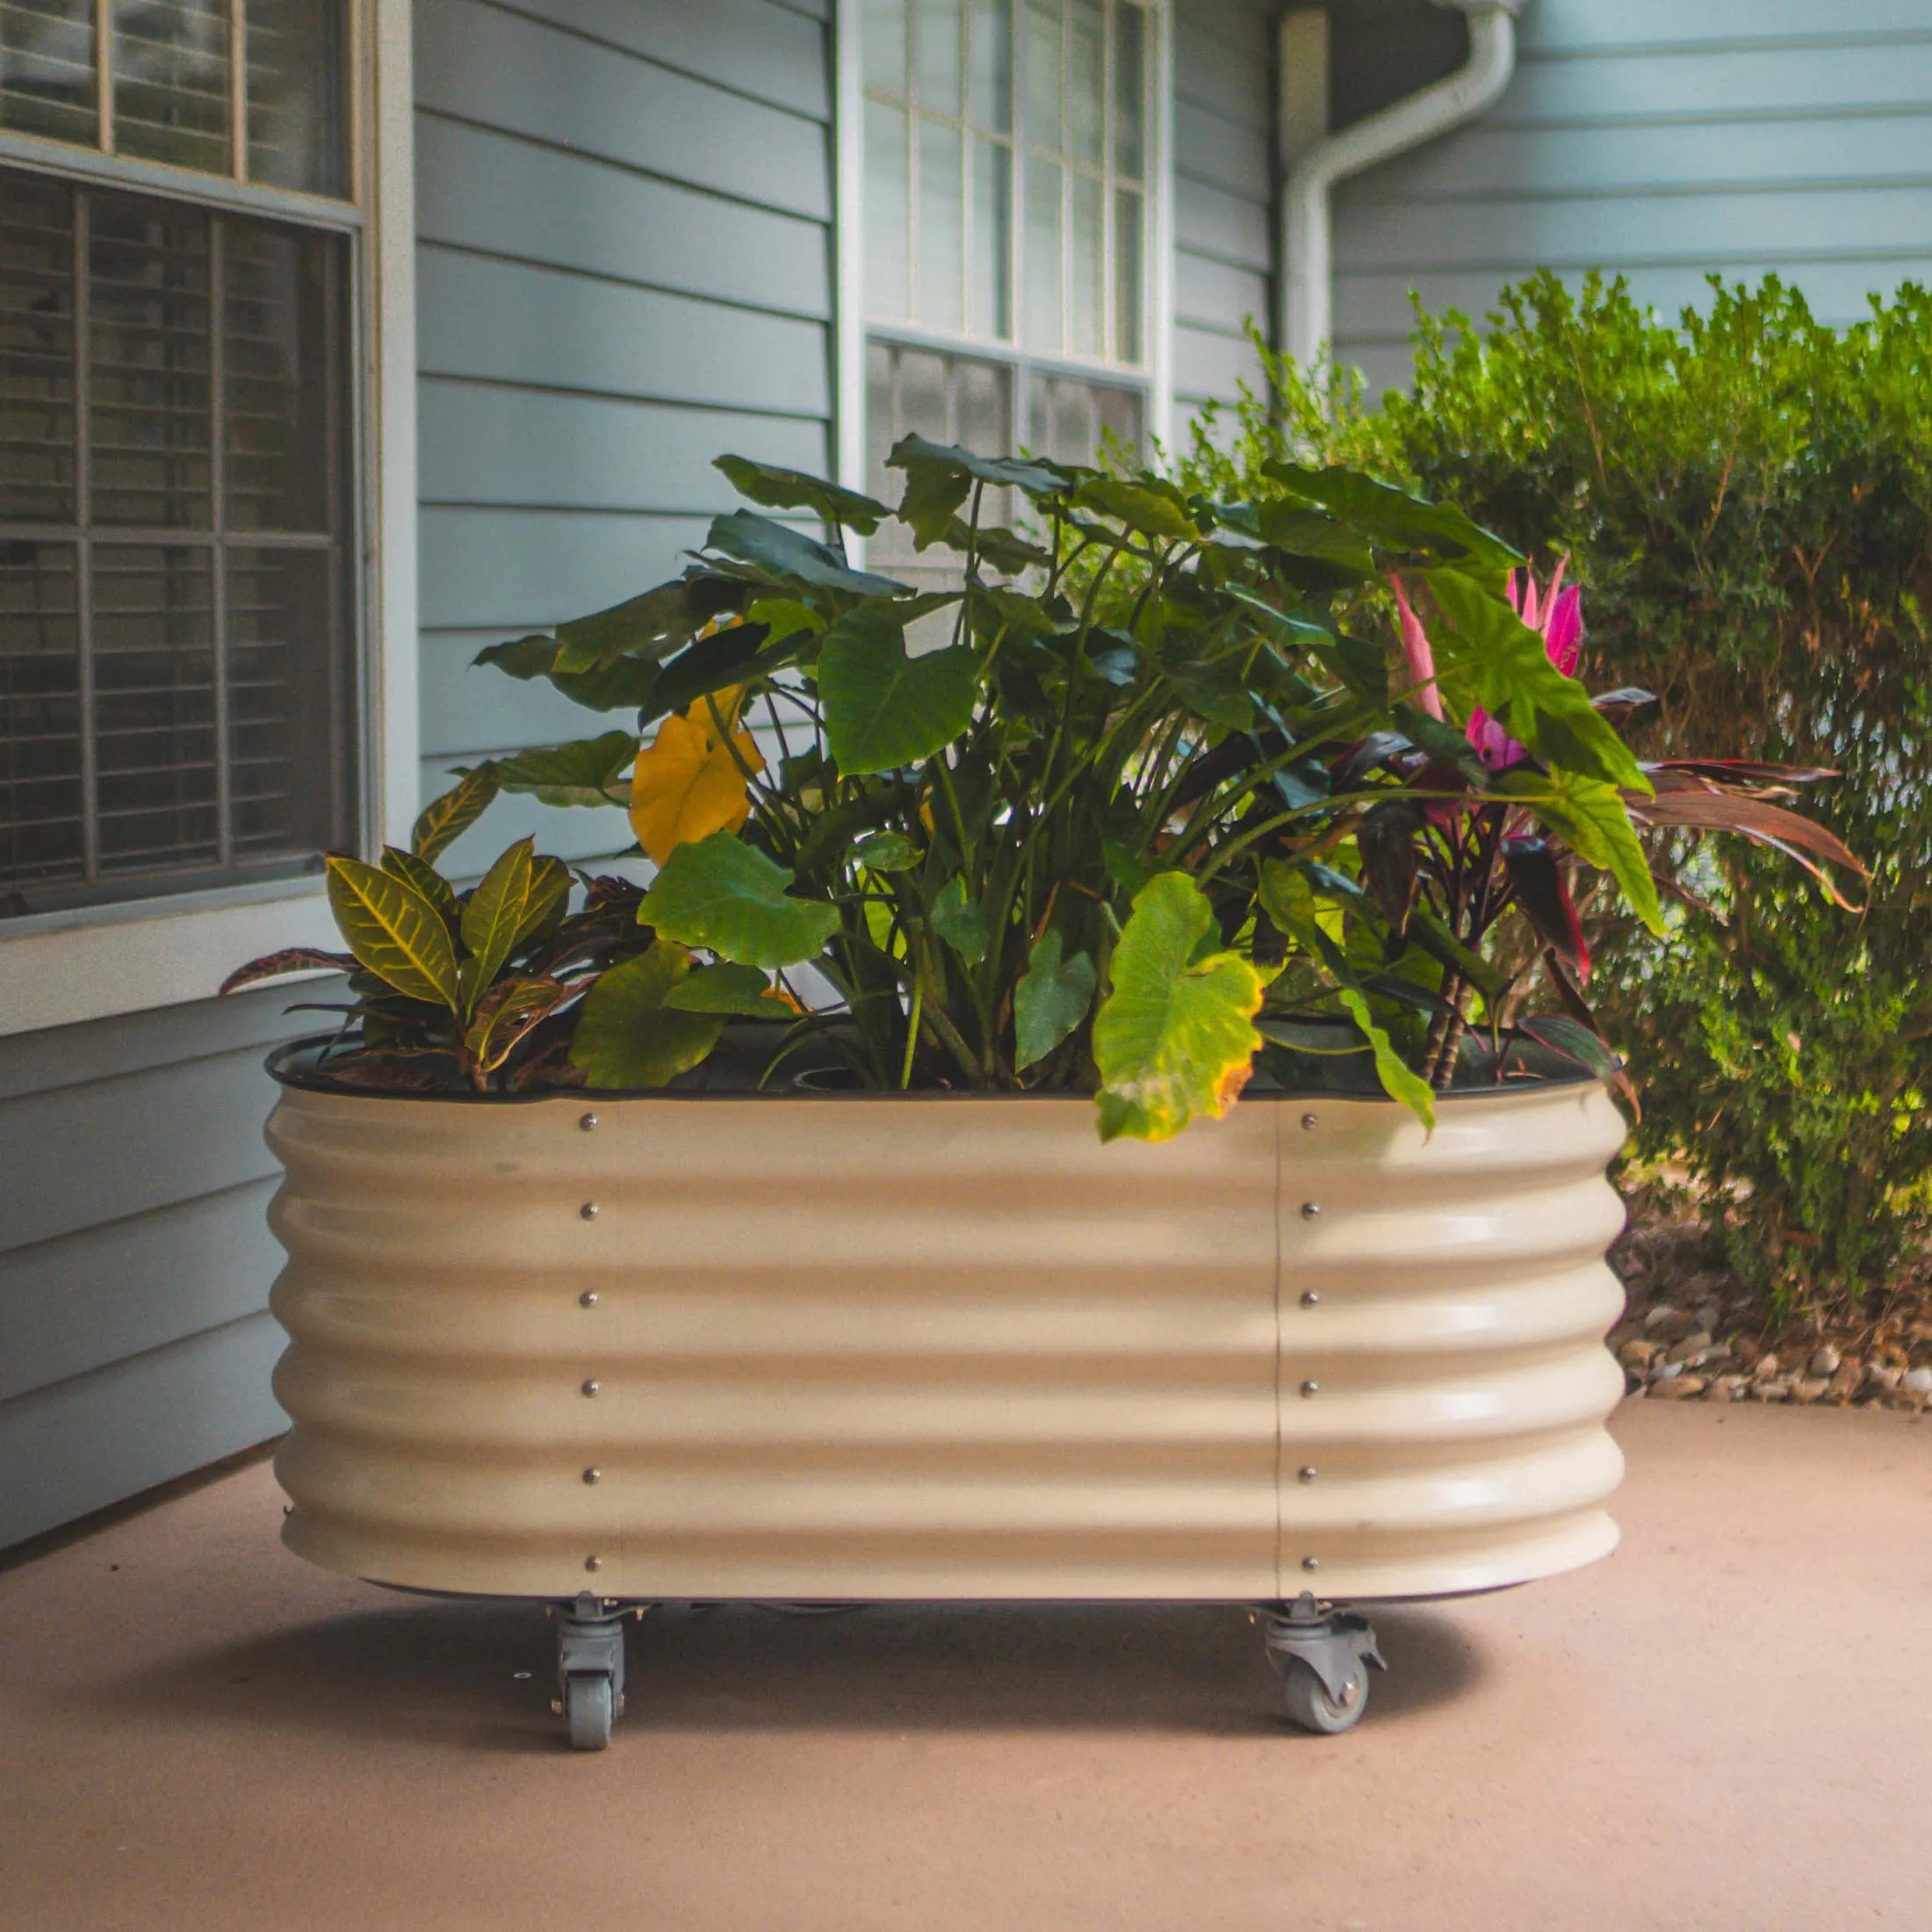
<point>686,784</point>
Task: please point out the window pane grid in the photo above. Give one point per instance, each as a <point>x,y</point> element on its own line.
<point>251,90</point>
<point>173,688</point>
<point>1022,229</point>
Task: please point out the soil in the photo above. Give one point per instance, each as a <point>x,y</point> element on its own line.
<point>1693,1331</point>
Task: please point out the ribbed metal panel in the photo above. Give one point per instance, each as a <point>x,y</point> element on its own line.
<point>876,1346</point>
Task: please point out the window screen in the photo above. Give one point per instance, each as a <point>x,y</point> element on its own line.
<point>175,700</point>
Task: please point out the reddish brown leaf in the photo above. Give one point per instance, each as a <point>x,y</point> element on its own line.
<point>296,959</point>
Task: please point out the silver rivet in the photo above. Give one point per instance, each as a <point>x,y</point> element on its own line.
<point>1306,1471</point>
<point>1311,1388</point>
<point>588,1211</point>
<point>588,1123</point>
<point>597,1563</point>
<point>592,1475</point>
<point>1308,1562</point>
<point>591,1385</point>
<point>1311,1299</point>
<point>1308,1120</point>
<point>1310,1209</point>
<point>587,1299</point>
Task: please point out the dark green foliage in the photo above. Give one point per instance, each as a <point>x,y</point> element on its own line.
<point>1746,498</point>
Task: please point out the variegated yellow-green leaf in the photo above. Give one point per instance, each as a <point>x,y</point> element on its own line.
<point>495,913</point>
<point>505,1014</point>
<point>446,819</point>
<point>424,876</point>
<point>549,898</point>
<point>1175,1035</point>
<point>626,1036</point>
<point>394,932</point>
<point>686,784</point>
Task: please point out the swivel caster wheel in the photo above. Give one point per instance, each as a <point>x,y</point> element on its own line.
<point>589,1705</point>
<point>590,1671</point>
<point>1312,1707</point>
<point>1323,1654</point>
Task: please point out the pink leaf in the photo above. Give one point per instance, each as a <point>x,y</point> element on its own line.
<point>1422,659</point>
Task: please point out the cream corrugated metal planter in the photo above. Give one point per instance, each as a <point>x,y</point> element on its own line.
<point>928,1346</point>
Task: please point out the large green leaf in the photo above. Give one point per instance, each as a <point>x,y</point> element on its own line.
<point>793,490</point>
<point>1394,518</point>
<point>718,892</point>
<point>1152,506</point>
<point>940,476</point>
<point>776,552</point>
<point>624,684</point>
<point>884,709</point>
<point>627,1037</point>
<point>651,626</point>
<point>1175,1035</point>
<point>1506,667</point>
<point>394,932</point>
<point>588,771</point>
<point>548,900</point>
<point>445,819</point>
<point>1053,997</point>
<point>1399,1081</point>
<point>728,988</point>
<point>1592,820</point>
<point>495,915</point>
<point>961,921</point>
<point>740,655</point>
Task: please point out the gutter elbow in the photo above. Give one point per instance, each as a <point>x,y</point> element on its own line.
<point>1305,323</point>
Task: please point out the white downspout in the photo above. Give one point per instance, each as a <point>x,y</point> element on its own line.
<point>1307,326</point>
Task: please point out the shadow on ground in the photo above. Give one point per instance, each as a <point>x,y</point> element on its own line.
<point>443,1672</point>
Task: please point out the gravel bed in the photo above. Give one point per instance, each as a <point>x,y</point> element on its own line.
<point>1692,1331</point>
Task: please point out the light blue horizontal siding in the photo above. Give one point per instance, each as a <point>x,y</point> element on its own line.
<point>1224,133</point>
<point>625,268</point>
<point>134,1260</point>
<point>1662,140</point>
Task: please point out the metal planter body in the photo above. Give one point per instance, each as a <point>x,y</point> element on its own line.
<point>933,1347</point>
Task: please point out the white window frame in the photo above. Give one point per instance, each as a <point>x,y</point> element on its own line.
<point>1154,377</point>
<point>94,963</point>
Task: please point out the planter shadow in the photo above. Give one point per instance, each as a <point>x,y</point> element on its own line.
<point>444,1675</point>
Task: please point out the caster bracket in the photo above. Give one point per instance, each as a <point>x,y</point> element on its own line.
<point>591,1644</point>
<point>1329,1641</point>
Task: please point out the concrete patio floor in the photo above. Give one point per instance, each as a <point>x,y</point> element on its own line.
<point>1726,1726</point>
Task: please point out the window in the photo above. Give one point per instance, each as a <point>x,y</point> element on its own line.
<point>177,429</point>
<point>1008,172</point>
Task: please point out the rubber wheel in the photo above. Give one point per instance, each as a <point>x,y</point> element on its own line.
<point>587,1710</point>
<point>1310,1706</point>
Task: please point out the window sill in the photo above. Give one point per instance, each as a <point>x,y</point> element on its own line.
<point>60,968</point>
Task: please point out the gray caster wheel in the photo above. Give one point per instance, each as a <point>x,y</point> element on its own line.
<point>1310,1704</point>
<point>588,1710</point>
<point>1324,1654</point>
<point>590,1671</point>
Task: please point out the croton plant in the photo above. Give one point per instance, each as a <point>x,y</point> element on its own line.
<point>1157,792</point>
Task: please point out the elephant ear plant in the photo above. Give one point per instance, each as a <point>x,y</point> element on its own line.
<point>1156,790</point>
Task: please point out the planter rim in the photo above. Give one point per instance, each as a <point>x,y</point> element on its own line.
<point>284,1064</point>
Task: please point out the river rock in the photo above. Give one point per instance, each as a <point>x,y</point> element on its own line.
<point>1690,1347</point>
<point>1638,1355</point>
<point>1882,1377</point>
<point>1766,1368</point>
<point>1667,1324</point>
<point>1918,1382</point>
<point>1808,1388</point>
<point>1666,1371</point>
<point>1844,1383</point>
<point>1824,1360</point>
<point>1679,1388</point>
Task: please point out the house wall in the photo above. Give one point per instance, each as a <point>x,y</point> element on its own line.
<point>1661,140</point>
<point>136,1343</point>
<point>624,267</point>
<point>1224,198</point>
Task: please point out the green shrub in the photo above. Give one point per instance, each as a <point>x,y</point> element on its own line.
<point>1746,498</point>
